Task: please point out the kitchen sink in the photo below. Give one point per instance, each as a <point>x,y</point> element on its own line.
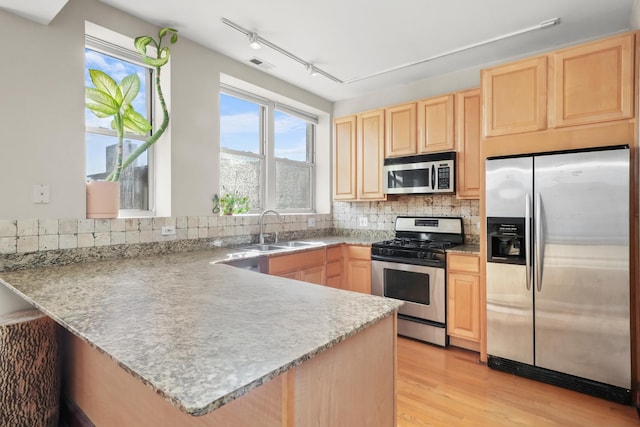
<point>294,244</point>
<point>263,248</point>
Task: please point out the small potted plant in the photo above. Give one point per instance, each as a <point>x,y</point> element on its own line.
<point>230,203</point>
<point>111,99</point>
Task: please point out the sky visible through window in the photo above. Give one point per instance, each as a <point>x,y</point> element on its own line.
<point>117,69</point>
<point>240,124</point>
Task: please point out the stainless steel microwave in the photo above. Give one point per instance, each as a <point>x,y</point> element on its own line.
<point>422,174</point>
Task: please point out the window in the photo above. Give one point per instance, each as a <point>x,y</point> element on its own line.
<point>266,152</point>
<point>101,140</point>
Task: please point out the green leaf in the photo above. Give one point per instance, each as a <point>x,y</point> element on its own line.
<point>106,84</point>
<point>98,101</point>
<point>135,122</point>
<point>141,44</point>
<point>129,87</point>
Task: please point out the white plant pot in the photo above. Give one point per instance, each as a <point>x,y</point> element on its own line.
<point>103,199</point>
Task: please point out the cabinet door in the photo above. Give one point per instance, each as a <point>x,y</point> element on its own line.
<point>289,275</point>
<point>468,144</point>
<point>514,97</point>
<point>463,312</point>
<point>400,135</point>
<point>358,276</point>
<point>370,154</point>
<point>436,124</point>
<point>344,159</point>
<point>315,275</point>
<point>594,82</point>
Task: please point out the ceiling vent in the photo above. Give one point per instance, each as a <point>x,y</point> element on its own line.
<point>261,63</point>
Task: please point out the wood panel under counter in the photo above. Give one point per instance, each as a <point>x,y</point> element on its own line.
<point>177,340</point>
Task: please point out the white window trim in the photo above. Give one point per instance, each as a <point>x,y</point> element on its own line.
<point>268,147</point>
<point>111,43</point>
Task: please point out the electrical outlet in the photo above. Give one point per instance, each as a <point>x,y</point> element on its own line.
<point>40,193</point>
<point>311,222</point>
<point>217,243</point>
<point>168,230</point>
<point>363,221</point>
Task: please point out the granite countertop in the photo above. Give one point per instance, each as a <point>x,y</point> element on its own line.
<point>465,249</point>
<point>200,334</point>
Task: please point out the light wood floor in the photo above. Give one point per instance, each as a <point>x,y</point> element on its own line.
<point>450,387</point>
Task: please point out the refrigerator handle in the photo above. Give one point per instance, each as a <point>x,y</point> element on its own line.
<point>527,239</point>
<point>539,243</point>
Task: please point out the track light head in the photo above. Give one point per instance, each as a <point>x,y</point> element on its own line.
<point>253,41</point>
<point>312,70</point>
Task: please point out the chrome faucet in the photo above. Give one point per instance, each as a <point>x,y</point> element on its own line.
<point>262,224</point>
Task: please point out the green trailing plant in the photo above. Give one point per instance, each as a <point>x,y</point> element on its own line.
<point>230,203</point>
<point>110,99</point>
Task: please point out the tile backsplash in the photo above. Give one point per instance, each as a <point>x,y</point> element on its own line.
<point>382,215</point>
<point>32,242</point>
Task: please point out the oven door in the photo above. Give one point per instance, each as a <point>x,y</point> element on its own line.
<point>421,287</point>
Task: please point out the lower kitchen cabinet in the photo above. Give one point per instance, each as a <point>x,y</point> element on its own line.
<point>335,266</point>
<point>463,300</point>
<point>308,266</point>
<point>358,269</point>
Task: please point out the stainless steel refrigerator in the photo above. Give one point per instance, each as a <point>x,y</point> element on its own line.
<point>557,273</point>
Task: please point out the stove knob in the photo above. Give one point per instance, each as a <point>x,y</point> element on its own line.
<point>421,255</point>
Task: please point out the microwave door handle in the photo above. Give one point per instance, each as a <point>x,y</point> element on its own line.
<point>527,239</point>
<point>433,177</point>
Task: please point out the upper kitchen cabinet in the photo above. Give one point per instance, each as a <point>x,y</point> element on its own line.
<point>344,182</point>
<point>436,124</point>
<point>370,155</point>
<point>359,157</point>
<point>515,97</point>
<point>468,135</point>
<point>400,124</point>
<point>593,82</point>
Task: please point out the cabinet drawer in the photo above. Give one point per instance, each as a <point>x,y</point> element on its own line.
<point>334,268</point>
<point>334,253</point>
<point>359,252</point>
<point>463,263</point>
<point>297,261</point>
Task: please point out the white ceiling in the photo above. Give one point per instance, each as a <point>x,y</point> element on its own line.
<point>354,38</point>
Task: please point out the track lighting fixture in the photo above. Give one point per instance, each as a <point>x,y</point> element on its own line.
<point>256,42</point>
<point>253,41</point>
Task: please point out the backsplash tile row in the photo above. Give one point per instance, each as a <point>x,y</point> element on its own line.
<point>382,215</point>
<point>37,235</point>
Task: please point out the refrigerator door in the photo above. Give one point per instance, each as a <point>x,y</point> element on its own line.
<point>581,295</point>
<point>509,182</point>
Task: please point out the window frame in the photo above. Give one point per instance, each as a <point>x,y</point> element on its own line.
<point>267,148</point>
<point>128,55</point>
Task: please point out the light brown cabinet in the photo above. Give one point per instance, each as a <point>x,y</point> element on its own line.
<point>436,124</point>
<point>593,82</point>
<point>400,130</point>
<point>335,266</point>
<point>358,269</point>
<point>515,97</point>
<point>463,299</point>
<point>359,157</point>
<point>370,155</point>
<point>344,159</point>
<point>468,136</point>
<point>585,84</point>
<point>308,266</point>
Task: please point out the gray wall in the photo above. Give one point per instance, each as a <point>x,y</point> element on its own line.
<point>42,114</point>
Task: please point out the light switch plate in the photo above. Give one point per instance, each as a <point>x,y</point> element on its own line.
<point>40,193</point>
<point>311,222</point>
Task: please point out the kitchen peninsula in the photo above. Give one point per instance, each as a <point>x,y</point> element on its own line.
<point>176,340</point>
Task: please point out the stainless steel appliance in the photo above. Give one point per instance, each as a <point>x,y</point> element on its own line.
<point>423,174</point>
<point>412,268</point>
<point>557,269</point>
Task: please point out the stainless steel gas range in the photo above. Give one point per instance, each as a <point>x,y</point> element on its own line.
<point>412,268</point>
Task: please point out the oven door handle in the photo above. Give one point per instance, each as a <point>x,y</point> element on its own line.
<point>433,177</point>
<point>527,239</point>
